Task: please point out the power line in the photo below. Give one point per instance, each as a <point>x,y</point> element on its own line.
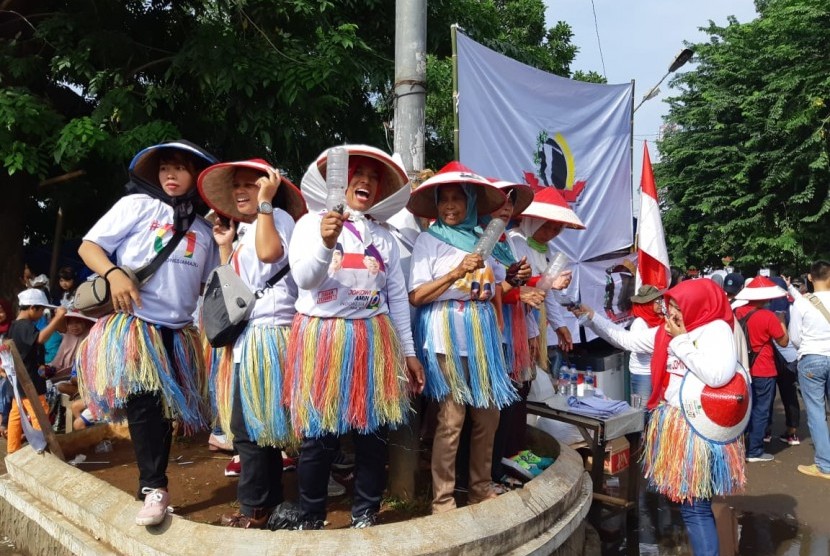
<point>599,44</point>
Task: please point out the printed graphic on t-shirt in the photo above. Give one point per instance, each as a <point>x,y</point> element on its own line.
<point>163,230</point>
<point>475,282</point>
<point>360,277</point>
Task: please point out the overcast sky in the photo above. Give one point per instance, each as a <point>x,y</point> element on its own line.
<point>639,40</point>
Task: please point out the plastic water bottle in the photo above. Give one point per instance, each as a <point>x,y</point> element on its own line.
<point>572,384</point>
<point>564,381</point>
<point>487,241</point>
<point>337,175</point>
<point>555,267</point>
<point>590,383</point>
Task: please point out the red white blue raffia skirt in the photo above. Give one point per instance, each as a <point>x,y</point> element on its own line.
<point>344,374</point>
<point>260,380</point>
<point>124,355</point>
<point>683,465</point>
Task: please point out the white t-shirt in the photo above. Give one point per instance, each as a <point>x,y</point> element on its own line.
<point>640,362</point>
<point>136,228</point>
<point>349,281</point>
<point>276,306</point>
<point>432,259</point>
<point>809,330</point>
<point>538,263</point>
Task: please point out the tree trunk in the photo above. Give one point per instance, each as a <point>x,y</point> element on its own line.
<point>12,207</point>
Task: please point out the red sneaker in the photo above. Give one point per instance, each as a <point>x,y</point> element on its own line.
<point>234,467</point>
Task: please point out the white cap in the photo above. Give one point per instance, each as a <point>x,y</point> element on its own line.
<point>33,296</point>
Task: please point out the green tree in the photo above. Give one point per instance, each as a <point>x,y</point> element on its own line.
<point>744,168</point>
<point>515,28</point>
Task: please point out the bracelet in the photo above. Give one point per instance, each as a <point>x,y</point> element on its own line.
<point>107,273</point>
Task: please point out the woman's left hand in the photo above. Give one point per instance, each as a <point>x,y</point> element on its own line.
<point>268,186</point>
<point>415,372</point>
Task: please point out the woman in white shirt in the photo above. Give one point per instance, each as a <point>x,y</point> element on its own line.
<point>145,359</point>
<point>350,351</point>
<point>458,337</point>
<point>679,461</point>
<point>248,380</point>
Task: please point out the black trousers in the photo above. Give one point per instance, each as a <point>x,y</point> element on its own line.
<point>786,381</point>
<point>260,483</point>
<point>313,471</point>
<point>150,431</point>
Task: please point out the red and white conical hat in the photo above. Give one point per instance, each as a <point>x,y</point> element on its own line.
<point>488,197</point>
<point>523,194</point>
<point>548,204</point>
<point>761,288</point>
<point>717,414</point>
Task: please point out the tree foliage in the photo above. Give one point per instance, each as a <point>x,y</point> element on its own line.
<point>86,84</point>
<point>744,170</point>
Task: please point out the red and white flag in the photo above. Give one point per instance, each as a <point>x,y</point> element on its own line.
<point>652,255</point>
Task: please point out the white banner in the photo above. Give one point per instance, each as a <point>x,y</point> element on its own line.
<point>522,124</point>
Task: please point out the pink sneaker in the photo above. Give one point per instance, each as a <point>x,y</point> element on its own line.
<point>155,507</point>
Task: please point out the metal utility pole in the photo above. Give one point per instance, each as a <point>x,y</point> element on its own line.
<point>410,103</point>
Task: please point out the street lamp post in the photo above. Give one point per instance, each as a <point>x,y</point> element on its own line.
<point>684,56</point>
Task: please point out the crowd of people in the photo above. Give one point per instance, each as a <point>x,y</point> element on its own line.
<point>340,339</point>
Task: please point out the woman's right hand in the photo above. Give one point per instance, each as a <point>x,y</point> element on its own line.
<point>331,226</point>
<point>469,264</point>
<point>222,234</point>
<point>123,292</point>
<point>532,296</point>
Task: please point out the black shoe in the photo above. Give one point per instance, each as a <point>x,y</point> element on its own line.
<point>311,525</point>
<point>369,519</point>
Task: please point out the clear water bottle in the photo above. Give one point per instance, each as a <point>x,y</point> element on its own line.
<point>555,267</point>
<point>488,240</point>
<point>564,381</point>
<point>590,383</point>
<point>337,176</point>
<point>574,378</point>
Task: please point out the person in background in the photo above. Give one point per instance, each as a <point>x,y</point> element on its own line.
<point>762,328</point>
<point>161,377</point>
<point>786,363</point>
<point>29,341</point>
<point>6,393</point>
<point>647,307</point>
<point>68,283</point>
<point>809,331</point>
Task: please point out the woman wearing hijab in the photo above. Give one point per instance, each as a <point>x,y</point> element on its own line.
<point>689,464</point>
<point>458,336</point>
<point>145,360</point>
<point>647,308</point>
<point>6,393</point>
<point>350,352</point>
<point>541,222</point>
<point>259,206</point>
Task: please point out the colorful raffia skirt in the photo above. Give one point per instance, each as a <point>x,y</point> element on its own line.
<point>683,465</point>
<point>486,381</point>
<point>344,374</point>
<point>124,355</point>
<point>517,350</point>
<point>260,380</point>
<point>541,316</point>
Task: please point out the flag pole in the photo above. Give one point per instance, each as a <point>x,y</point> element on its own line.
<point>455,131</point>
<point>631,189</point>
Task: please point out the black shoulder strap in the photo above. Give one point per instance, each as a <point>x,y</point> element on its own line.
<point>144,273</point>
<point>273,280</point>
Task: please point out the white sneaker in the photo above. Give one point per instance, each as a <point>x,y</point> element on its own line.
<point>335,488</point>
<point>762,458</point>
<point>155,507</point>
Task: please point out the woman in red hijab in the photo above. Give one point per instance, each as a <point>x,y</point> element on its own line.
<point>679,461</point>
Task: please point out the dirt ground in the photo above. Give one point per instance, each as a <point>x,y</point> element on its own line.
<point>200,491</point>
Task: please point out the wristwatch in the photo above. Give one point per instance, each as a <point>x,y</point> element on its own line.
<point>265,208</point>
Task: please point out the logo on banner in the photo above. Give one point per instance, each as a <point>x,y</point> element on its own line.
<point>555,167</point>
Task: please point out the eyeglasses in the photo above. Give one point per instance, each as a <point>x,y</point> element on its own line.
<point>659,307</point>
